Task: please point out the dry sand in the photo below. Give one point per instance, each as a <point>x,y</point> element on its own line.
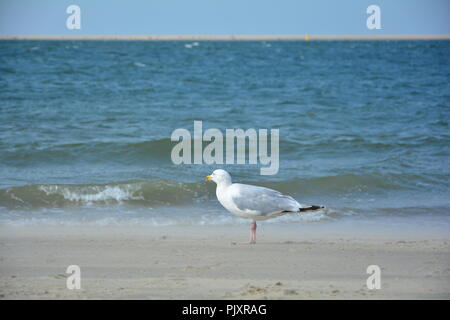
<point>288,262</point>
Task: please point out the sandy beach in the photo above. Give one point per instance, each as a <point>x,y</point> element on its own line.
<point>288,262</point>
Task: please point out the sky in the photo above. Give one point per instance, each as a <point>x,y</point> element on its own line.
<point>224,17</point>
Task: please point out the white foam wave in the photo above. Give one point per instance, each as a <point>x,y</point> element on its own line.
<point>140,64</point>
<point>191,45</point>
<point>104,217</point>
<point>95,193</point>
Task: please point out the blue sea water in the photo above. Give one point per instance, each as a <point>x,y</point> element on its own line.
<point>85,127</point>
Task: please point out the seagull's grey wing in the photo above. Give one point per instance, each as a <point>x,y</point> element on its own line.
<point>261,201</point>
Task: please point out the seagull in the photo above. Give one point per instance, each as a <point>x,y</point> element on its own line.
<point>254,202</point>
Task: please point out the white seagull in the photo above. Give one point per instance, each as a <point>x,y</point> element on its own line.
<point>253,202</point>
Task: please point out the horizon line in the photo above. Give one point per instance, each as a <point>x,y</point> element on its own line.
<point>304,37</point>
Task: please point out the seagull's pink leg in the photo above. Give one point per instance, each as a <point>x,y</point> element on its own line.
<point>252,235</point>
<point>253,232</point>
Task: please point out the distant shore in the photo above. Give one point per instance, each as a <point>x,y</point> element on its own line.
<point>228,37</point>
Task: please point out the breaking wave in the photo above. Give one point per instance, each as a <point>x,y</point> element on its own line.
<point>158,193</point>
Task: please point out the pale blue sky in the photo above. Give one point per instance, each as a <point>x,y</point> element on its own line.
<point>223,17</point>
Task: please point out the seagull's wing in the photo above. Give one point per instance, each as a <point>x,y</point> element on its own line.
<point>260,201</point>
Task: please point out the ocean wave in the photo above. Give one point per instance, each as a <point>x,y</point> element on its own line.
<point>141,193</point>
<point>21,155</point>
<point>159,193</point>
<point>159,150</point>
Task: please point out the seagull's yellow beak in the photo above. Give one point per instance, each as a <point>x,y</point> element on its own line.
<point>208,178</point>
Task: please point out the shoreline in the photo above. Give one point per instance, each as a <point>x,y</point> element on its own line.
<point>305,37</point>
<point>288,262</point>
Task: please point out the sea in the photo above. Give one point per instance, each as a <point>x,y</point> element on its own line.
<point>85,129</point>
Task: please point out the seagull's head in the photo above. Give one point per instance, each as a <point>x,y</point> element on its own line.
<point>219,176</point>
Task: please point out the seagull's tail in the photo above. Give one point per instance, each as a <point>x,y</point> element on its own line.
<point>311,208</point>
